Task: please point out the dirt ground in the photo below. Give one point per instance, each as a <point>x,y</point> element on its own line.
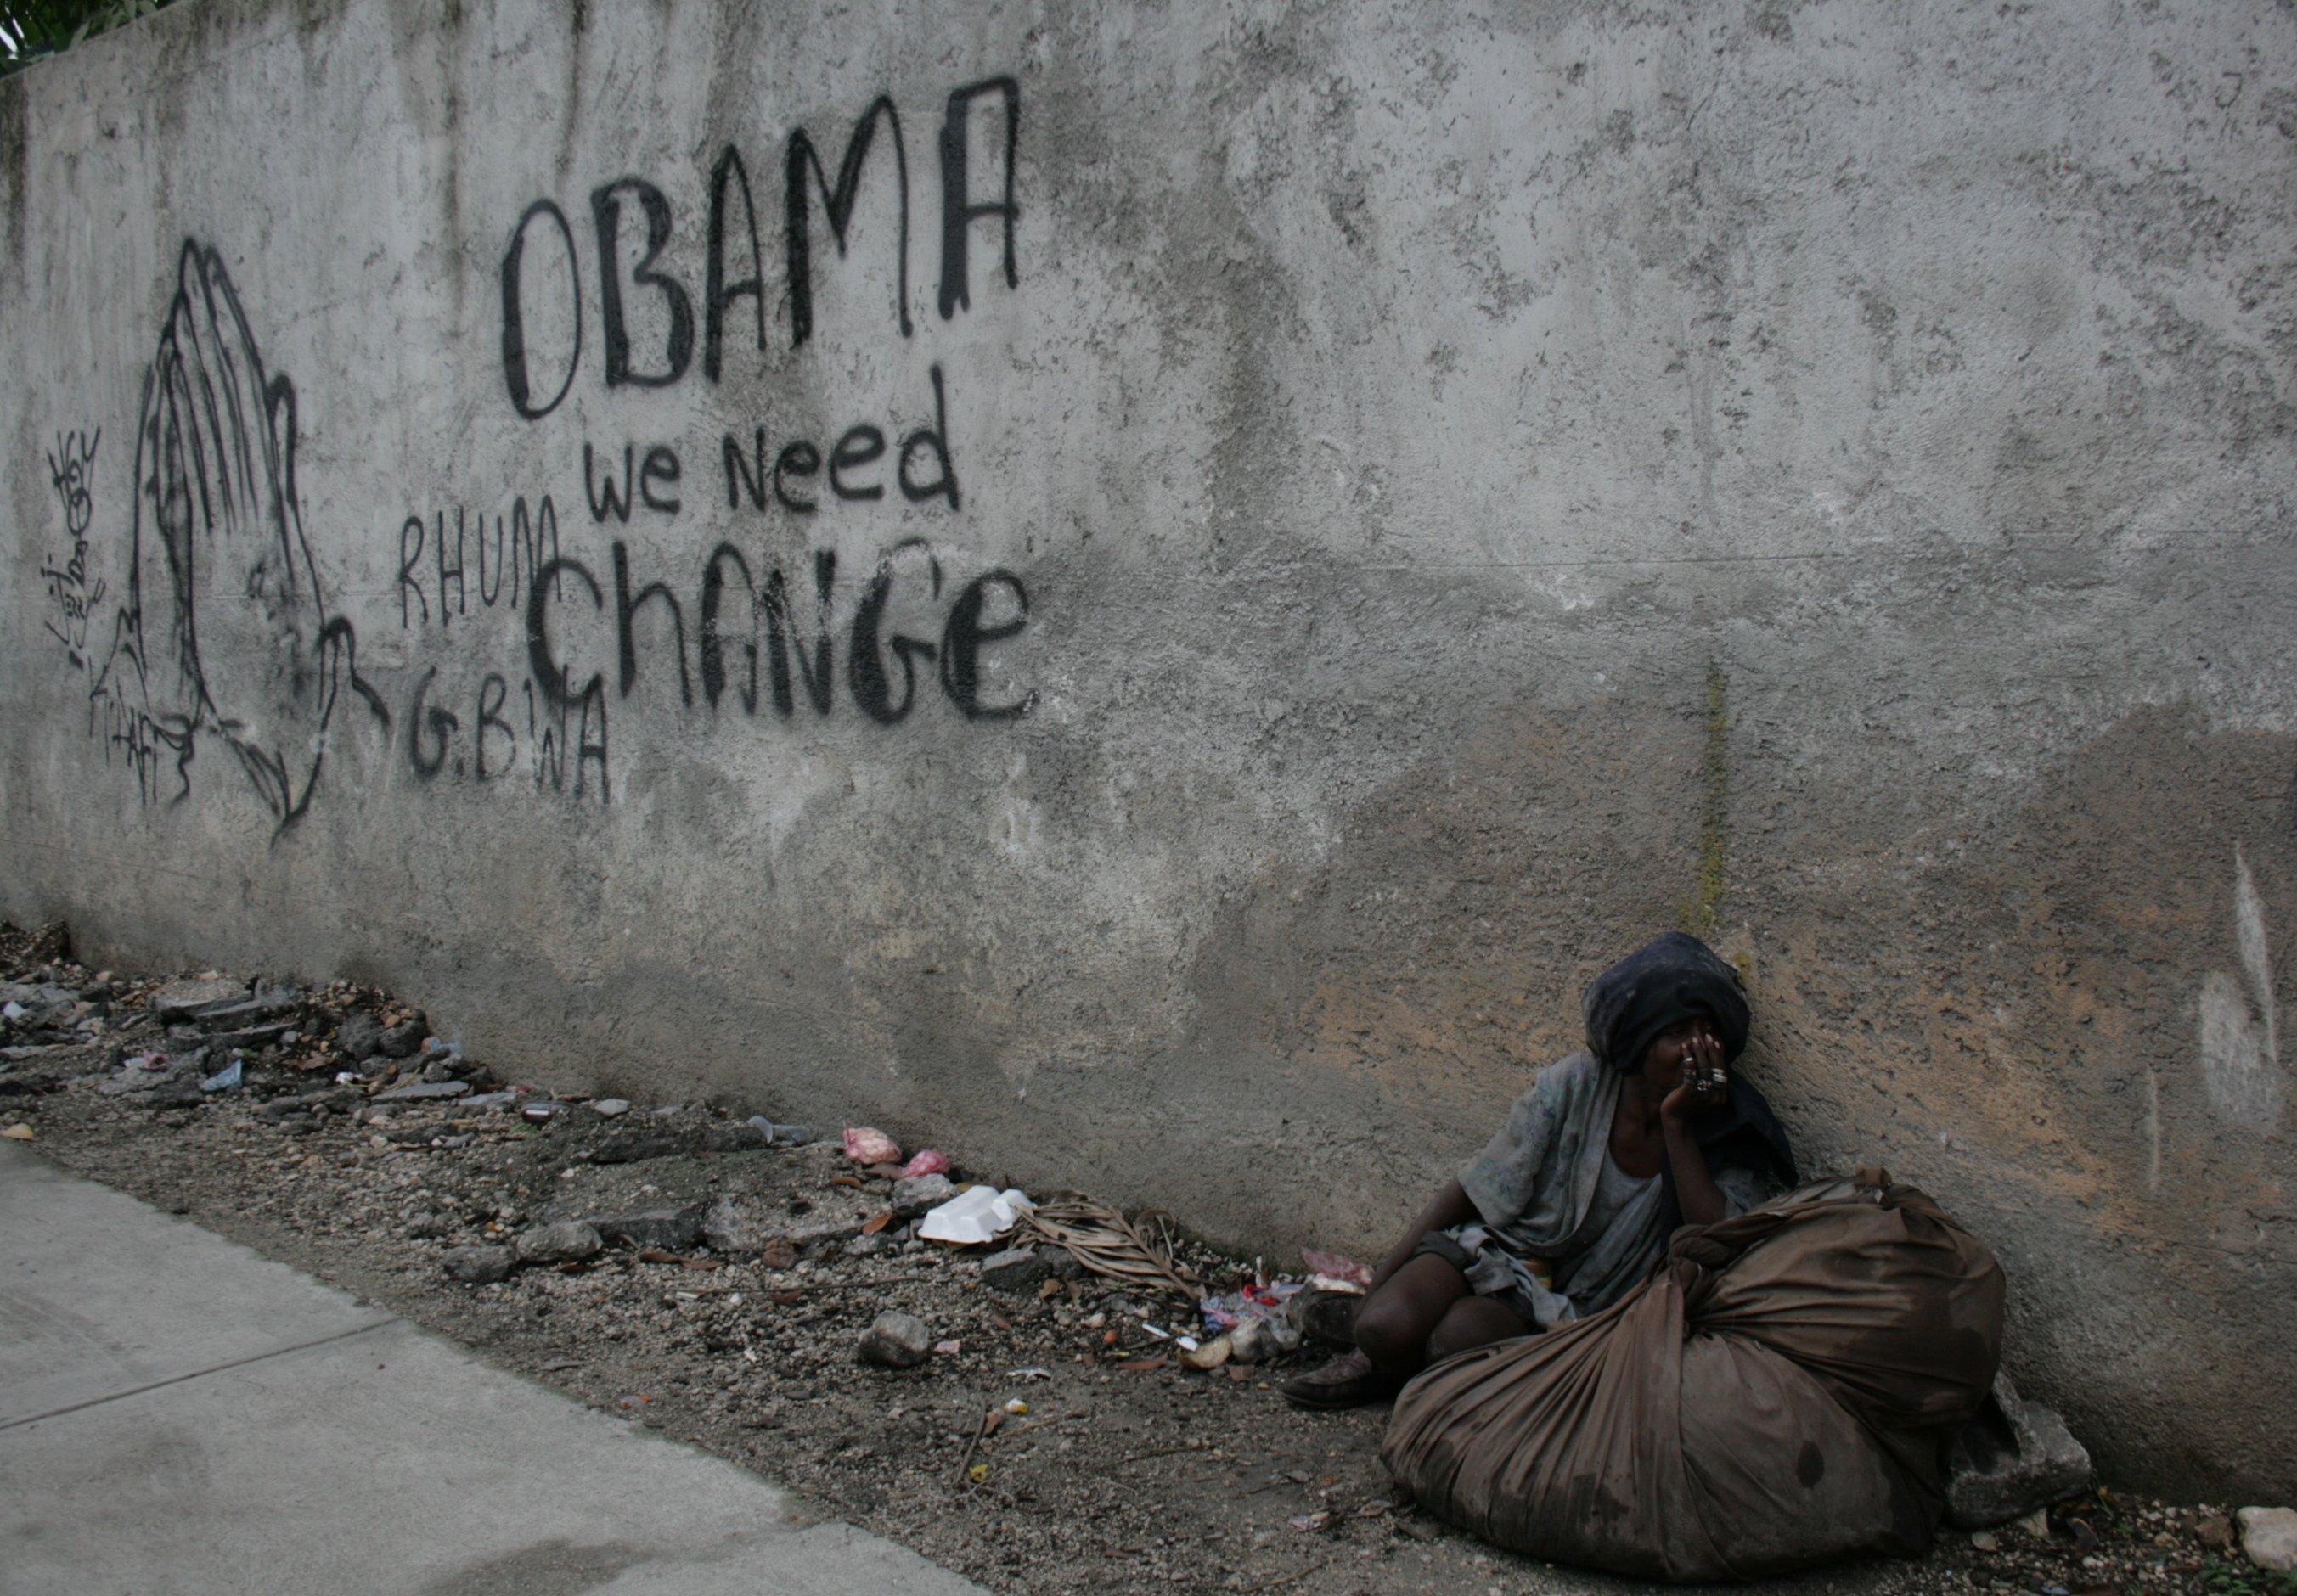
<point>1125,1472</point>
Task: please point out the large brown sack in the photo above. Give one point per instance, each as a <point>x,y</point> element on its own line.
<point>1777,1395</point>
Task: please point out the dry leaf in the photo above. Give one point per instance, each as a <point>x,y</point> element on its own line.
<point>878,1223</point>
<point>778,1255</point>
<point>1143,1365</point>
<point>655,1255</point>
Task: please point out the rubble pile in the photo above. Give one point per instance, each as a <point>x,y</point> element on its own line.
<point>1074,1399</point>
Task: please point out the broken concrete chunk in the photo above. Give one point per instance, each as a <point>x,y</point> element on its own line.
<point>671,1229</point>
<point>358,1036</point>
<point>731,1230</point>
<point>1017,1269</point>
<point>920,1193</point>
<point>568,1242</point>
<point>897,1341</point>
<point>405,1039</point>
<point>426,1089</point>
<point>478,1265</point>
<point>185,999</point>
<point>2012,1458</point>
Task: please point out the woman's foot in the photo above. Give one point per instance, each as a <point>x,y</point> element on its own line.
<point>1347,1381</point>
<point>1328,1316</point>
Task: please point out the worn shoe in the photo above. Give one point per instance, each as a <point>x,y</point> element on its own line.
<point>1327,1316</point>
<point>1347,1381</point>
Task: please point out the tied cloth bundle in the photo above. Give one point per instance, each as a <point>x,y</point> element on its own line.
<point>1109,1245</point>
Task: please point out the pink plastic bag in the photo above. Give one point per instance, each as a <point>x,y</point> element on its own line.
<point>866,1146</point>
<point>927,1163</point>
<point>1337,1266</point>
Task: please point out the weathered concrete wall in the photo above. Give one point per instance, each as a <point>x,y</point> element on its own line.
<point>1426,497</point>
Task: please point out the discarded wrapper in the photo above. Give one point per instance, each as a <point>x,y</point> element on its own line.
<point>1339,1272</point>
<point>927,1163</point>
<point>977,1214</point>
<point>866,1145</point>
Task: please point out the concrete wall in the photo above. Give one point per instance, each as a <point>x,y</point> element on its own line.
<point>1420,497</point>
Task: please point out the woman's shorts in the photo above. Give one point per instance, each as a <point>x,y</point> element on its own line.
<point>1494,1271</point>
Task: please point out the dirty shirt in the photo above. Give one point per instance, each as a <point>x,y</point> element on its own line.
<point>1566,1232</point>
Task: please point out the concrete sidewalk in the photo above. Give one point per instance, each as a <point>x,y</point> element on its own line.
<point>179,1414</point>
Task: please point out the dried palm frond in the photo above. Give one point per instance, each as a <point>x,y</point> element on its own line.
<point>1138,1251</point>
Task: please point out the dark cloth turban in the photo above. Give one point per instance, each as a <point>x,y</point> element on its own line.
<point>1658,985</point>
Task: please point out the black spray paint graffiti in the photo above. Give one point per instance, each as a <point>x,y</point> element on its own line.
<point>537,380</point>
<point>224,634</point>
<point>763,630</point>
<point>70,467</point>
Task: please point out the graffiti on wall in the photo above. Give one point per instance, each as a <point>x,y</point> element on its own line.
<point>222,639</point>
<point>756,624</point>
<point>71,468</point>
<point>214,635</point>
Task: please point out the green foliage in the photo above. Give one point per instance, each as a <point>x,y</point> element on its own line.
<point>2231,1576</point>
<point>31,28</point>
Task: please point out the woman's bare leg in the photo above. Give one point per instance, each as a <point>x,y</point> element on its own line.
<point>1396,1320</point>
<point>1473,1321</point>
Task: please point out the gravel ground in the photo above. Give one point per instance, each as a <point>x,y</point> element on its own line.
<point>1125,1472</point>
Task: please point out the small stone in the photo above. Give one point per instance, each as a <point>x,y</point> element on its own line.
<point>866,1247</point>
<point>611,1107</point>
<point>1017,1269</point>
<point>567,1242</point>
<point>2215,1530</point>
<point>1064,1264</point>
<point>669,1230</point>
<point>920,1193</point>
<point>897,1341</point>
<point>428,1227</point>
<point>2268,1537</point>
<point>478,1265</point>
<point>1985,1539</point>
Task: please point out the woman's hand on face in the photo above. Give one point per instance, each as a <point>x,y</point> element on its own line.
<point>1704,1086</point>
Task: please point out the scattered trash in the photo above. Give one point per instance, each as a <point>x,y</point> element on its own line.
<point>611,1107</point>
<point>865,1145</point>
<point>19,1131</point>
<point>1028,1374</point>
<point>541,1113</point>
<point>1312,1522</point>
<point>1212,1354</point>
<point>927,1163</point>
<point>1016,1406</point>
<point>14,1011</point>
<point>976,1215</point>
<point>949,1349</point>
<point>1337,1268</point>
<point>226,1079</point>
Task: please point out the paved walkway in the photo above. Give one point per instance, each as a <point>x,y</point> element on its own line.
<point>180,1415</point>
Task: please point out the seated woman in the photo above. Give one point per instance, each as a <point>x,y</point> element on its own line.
<point>1574,1200</point>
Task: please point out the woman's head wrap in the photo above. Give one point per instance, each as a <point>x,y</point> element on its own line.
<point>1659,983</point>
